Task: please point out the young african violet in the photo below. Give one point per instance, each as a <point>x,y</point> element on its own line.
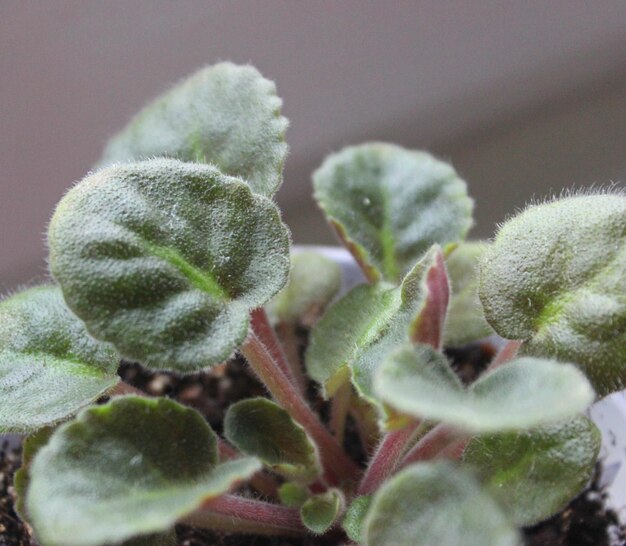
<point>172,253</point>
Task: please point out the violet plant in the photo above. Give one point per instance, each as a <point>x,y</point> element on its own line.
<point>173,254</point>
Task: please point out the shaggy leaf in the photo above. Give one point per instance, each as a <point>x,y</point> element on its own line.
<point>389,205</point>
<point>355,517</point>
<point>166,259</point>
<point>313,282</point>
<point>49,365</point>
<point>466,320</point>
<point>131,467</point>
<point>358,331</point>
<point>555,277</point>
<point>293,494</point>
<point>535,474</point>
<point>522,394</point>
<point>261,428</point>
<point>225,115</point>
<point>320,511</point>
<point>436,503</point>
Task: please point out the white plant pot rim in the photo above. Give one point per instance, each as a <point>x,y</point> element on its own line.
<point>609,414</point>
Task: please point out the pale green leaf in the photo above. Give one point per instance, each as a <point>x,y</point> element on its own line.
<point>535,474</point>
<point>466,320</point>
<point>359,330</point>
<point>293,494</point>
<point>225,115</point>
<point>50,367</point>
<point>314,281</point>
<point>438,504</point>
<point>524,393</point>
<point>355,517</point>
<point>165,260</point>
<point>129,468</point>
<point>261,428</point>
<point>555,277</point>
<point>389,205</point>
<point>320,511</point>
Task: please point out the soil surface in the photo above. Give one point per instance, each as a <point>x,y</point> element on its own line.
<point>585,522</point>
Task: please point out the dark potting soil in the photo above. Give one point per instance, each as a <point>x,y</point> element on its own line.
<point>585,522</point>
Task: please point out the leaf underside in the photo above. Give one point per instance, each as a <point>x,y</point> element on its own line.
<point>320,511</point>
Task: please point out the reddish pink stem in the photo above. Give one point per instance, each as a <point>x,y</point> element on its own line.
<point>506,354</point>
<point>430,445</point>
<point>386,457</point>
<point>337,465</point>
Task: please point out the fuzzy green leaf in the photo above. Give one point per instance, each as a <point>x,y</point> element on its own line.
<point>49,365</point>
<point>436,503</point>
<point>534,474</point>
<point>358,331</point>
<point>524,393</point>
<point>293,494</point>
<point>389,205</point>
<point>165,260</point>
<point>320,511</point>
<point>466,320</point>
<point>128,468</point>
<point>555,277</point>
<point>355,517</point>
<point>225,115</point>
<point>162,539</point>
<point>313,282</point>
<point>259,427</point>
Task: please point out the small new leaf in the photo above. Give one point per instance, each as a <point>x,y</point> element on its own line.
<point>261,428</point>
<point>293,494</point>
<point>389,205</point>
<point>129,468</point>
<point>535,474</point>
<point>524,393</point>
<point>50,367</point>
<point>436,503</point>
<point>466,320</point>
<point>355,517</point>
<point>555,277</point>
<point>320,511</point>
<point>165,260</point>
<point>225,115</point>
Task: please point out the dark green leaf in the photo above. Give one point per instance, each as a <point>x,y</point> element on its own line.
<point>355,516</point>
<point>431,504</point>
<point>166,259</point>
<point>128,468</point>
<point>225,115</point>
<point>165,539</point>
<point>261,428</point>
<point>389,205</point>
<point>555,277</point>
<point>524,393</point>
<point>535,474</point>
<point>320,511</point>
<point>50,367</point>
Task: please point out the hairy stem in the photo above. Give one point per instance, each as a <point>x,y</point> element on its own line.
<point>386,457</point>
<point>366,421</point>
<point>242,515</point>
<point>339,411</point>
<point>430,445</point>
<point>335,462</point>
<point>507,353</point>
<point>290,344</point>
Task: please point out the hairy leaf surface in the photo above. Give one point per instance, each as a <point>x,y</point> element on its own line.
<point>355,517</point>
<point>436,503</point>
<point>165,260</point>
<point>320,511</point>
<point>259,427</point>
<point>225,115</point>
<point>50,367</point>
<point>521,394</point>
<point>555,277</point>
<point>535,474</point>
<point>128,468</point>
<point>389,205</point>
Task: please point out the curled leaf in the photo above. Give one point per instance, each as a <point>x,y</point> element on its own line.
<point>261,428</point>
<point>536,473</point>
<point>521,394</point>
<point>129,468</point>
<point>320,511</point>
<point>165,260</point>
<point>555,277</point>
<point>50,367</point>
<point>436,503</point>
<point>225,115</point>
<point>389,205</point>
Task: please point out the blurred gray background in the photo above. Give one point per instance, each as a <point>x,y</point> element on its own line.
<point>524,97</point>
